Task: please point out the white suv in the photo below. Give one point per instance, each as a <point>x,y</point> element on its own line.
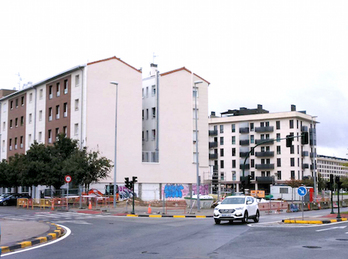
<point>237,207</point>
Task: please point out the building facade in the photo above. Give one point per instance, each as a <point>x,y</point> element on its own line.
<point>332,165</point>
<point>255,140</point>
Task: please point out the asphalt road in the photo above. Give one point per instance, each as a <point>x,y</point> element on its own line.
<point>120,237</point>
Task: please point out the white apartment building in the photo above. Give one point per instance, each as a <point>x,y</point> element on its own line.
<point>234,135</point>
<point>155,123</point>
<point>327,165</point>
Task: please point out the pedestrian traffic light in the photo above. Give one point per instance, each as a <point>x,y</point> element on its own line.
<point>289,140</point>
<point>304,138</point>
<point>127,183</point>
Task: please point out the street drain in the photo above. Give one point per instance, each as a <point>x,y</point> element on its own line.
<point>342,239</point>
<point>312,246</point>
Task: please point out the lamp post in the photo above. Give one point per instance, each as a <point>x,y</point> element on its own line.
<point>115,157</point>
<point>314,158</point>
<point>197,156</point>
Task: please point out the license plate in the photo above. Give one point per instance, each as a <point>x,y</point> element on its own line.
<point>226,215</point>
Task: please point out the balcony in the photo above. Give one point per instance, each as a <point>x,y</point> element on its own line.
<point>305,153</point>
<point>213,144</point>
<point>247,166</point>
<point>264,141</point>
<point>305,166</point>
<point>265,179</point>
<point>264,154</point>
<point>244,142</point>
<point>213,156</point>
<point>264,166</point>
<point>244,130</point>
<point>243,154</point>
<point>213,132</point>
<point>264,129</point>
<point>313,155</point>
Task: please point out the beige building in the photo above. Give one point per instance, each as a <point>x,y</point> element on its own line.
<point>327,165</point>
<point>235,137</point>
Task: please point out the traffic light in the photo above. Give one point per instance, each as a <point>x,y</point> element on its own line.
<point>330,184</point>
<point>338,182</point>
<point>249,179</point>
<point>304,138</point>
<point>127,183</point>
<point>134,179</point>
<point>289,140</point>
<point>215,178</point>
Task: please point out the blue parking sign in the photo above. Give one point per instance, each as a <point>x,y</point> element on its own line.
<point>302,191</point>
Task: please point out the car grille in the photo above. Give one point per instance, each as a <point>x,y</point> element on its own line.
<point>226,210</point>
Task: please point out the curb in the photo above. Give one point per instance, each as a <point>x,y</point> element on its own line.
<point>164,216</point>
<point>326,221</point>
<point>54,233</point>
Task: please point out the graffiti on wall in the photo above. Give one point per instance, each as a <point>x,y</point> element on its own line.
<point>124,193</point>
<point>182,190</point>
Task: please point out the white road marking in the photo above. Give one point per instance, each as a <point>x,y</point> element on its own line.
<point>319,230</point>
<point>67,233</point>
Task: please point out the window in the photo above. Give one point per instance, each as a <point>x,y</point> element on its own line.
<point>29,139</point>
<point>3,126</point>
<point>30,118</point>
<point>233,127</point>
<point>143,91</point>
<point>5,107</point>
<point>252,163</point>
<point>65,107</point>
<point>277,125</point>
<point>153,134</point>
<point>153,90</point>
<point>15,144</point>
<point>292,161</point>
<point>50,114</point>
<point>221,152</point>
<point>40,136</point>
<point>76,104</point>
<point>58,89</point>
<point>21,142</point>
<point>65,86</point>
<point>16,103</point>
<point>252,140</point>
<point>16,122</point>
<point>221,140</point>
<point>222,164</point>
<point>279,175</point>
<point>292,149</point>
<point>221,128</point>
<point>50,95</point>
<point>233,151</point>
<point>222,176</point>
<point>3,146</point>
<point>153,112</point>
<point>279,162</point>
<point>278,137</point>
<point>57,112</point>
<point>76,129</point>
<point>147,114</point>
<point>65,130</point>
<point>22,120</point>
<point>195,92</point>
<point>41,94</point>
<point>40,115</point>
<point>233,163</point>
<point>233,140</point>
<point>194,136</point>
<point>147,91</point>
<point>57,133</point>
<point>278,150</point>
<point>291,124</point>
<point>10,144</point>
<point>11,105</point>
<point>147,136</point>
<point>30,99</point>
<point>292,175</point>
<point>49,136</point>
<point>77,80</point>
<point>251,126</point>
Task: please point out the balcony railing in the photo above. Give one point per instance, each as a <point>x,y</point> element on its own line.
<point>305,153</point>
<point>305,166</point>
<point>264,154</point>
<point>243,154</point>
<point>244,142</point>
<point>247,166</point>
<point>265,179</point>
<point>215,168</point>
<point>213,156</point>
<point>264,141</point>
<point>213,144</point>
<point>264,166</point>
<point>244,130</point>
<point>264,129</point>
<point>213,132</point>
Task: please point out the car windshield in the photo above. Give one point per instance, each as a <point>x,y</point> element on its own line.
<point>234,200</point>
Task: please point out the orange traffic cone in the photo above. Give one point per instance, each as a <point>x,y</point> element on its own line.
<point>90,205</point>
<point>52,207</point>
<point>149,209</point>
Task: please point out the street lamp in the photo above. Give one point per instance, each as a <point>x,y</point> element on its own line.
<point>197,156</point>
<point>115,83</point>
<point>314,133</point>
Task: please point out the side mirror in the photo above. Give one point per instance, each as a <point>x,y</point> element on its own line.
<point>219,202</point>
<point>248,202</point>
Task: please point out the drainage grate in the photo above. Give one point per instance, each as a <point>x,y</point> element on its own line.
<point>312,246</point>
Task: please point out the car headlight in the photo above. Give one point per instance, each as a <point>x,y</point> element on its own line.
<point>216,209</point>
<point>240,208</point>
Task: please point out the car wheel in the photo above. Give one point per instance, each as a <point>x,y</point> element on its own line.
<point>217,221</point>
<point>257,217</point>
<point>245,218</point>
<point>4,203</point>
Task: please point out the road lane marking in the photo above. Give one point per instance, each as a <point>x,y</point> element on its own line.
<point>324,229</point>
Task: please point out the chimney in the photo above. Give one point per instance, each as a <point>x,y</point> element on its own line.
<point>153,69</point>
<point>293,107</point>
<point>259,106</point>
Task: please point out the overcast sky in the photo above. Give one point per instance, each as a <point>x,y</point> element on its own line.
<point>274,53</point>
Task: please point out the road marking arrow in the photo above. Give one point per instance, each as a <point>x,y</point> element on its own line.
<point>319,230</point>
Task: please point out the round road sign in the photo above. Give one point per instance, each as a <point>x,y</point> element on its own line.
<point>302,191</point>
<point>67,178</point>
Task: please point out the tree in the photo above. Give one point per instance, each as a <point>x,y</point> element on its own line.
<point>16,170</point>
<point>3,173</point>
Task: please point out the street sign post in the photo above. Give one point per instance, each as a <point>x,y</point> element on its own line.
<point>67,179</point>
<point>302,191</point>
